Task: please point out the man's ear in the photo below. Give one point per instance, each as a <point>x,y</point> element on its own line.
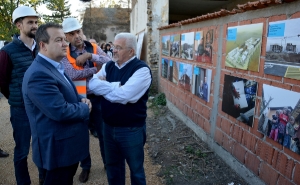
<point>42,46</point>
<point>19,24</point>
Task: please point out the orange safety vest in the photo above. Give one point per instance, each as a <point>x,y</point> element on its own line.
<point>80,84</point>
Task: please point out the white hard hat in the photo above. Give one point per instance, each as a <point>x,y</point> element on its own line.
<point>70,24</point>
<point>23,11</point>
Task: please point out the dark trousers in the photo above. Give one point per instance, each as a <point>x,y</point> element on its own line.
<point>22,136</point>
<point>61,176</point>
<point>97,121</point>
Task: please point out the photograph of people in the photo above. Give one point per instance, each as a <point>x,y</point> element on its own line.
<point>185,75</point>
<point>175,45</point>
<point>279,117</point>
<point>203,46</point>
<point>187,44</point>
<point>239,97</point>
<point>201,82</point>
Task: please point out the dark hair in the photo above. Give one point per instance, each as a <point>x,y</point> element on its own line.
<point>42,34</point>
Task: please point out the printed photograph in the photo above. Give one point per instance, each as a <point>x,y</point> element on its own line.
<point>170,71</point>
<point>279,116</point>
<point>175,45</point>
<point>164,67</point>
<point>203,46</point>
<point>175,69</point>
<point>185,75</point>
<point>239,97</point>
<point>165,45</point>
<point>243,46</point>
<point>187,45</point>
<point>202,82</point>
<point>282,49</point>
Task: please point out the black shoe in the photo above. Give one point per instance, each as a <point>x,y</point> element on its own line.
<point>41,181</point>
<point>84,176</point>
<point>3,154</point>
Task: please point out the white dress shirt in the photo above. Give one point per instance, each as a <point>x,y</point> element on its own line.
<point>130,92</point>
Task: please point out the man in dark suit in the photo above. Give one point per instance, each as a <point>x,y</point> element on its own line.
<point>57,114</point>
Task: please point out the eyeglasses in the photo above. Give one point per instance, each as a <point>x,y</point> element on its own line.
<point>119,48</point>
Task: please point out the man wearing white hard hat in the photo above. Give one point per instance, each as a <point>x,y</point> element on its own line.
<point>83,60</point>
<point>15,58</point>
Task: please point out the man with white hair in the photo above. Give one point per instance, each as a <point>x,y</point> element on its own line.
<point>124,84</point>
<point>15,59</point>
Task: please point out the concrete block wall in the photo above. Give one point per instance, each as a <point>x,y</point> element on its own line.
<point>265,158</point>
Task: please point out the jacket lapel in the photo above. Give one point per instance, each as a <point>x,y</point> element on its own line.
<point>47,64</point>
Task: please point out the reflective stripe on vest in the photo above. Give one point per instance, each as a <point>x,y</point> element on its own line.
<point>80,84</point>
<point>80,87</point>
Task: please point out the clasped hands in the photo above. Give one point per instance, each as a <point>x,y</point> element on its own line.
<point>88,102</point>
<point>81,59</point>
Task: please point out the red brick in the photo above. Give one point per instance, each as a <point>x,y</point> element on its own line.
<point>199,107</point>
<point>281,85</point>
<point>283,165</point>
<point>296,88</point>
<point>228,143</point>
<point>206,112</point>
<point>185,109</point>
<point>195,117</point>
<point>295,15</point>
<point>264,151</point>
<point>200,121</point>
<point>219,137</point>
<point>206,126</point>
<point>190,112</point>
<point>194,104</point>
<point>277,18</point>
<point>239,152</point>
<point>252,162</point>
<point>273,78</point>
<point>296,177</point>
<point>273,143</point>
<point>226,126</point>
<point>245,22</point>
<point>237,133</point>
<point>249,141</point>
<point>292,154</point>
<point>188,100</point>
<point>290,81</point>
<point>268,174</point>
<point>283,180</point>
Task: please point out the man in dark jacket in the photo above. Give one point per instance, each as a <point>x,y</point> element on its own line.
<point>15,58</point>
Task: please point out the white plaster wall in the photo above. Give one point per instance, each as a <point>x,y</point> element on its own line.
<point>112,31</point>
<point>138,17</point>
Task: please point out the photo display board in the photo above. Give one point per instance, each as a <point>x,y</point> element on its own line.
<point>203,46</point>
<point>184,75</point>
<point>164,67</point>
<point>239,97</point>
<point>175,45</point>
<point>165,45</point>
<point>187,45</point>
<point>282,49</point>
<point>279,116</point>
<point>202,82</point>
<point>243,46</point>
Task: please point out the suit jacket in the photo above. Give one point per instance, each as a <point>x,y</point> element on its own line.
<point>58,120</point>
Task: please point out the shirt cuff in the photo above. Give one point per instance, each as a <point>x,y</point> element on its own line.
<point>115,85</point>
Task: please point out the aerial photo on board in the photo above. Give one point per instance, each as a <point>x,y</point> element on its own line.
<point>243,46</point>
<point>282,52</point>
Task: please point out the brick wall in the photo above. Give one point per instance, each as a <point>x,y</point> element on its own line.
<point>267,159</point>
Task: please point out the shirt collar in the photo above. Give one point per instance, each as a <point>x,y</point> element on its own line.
<point>73,48</point>
<point>33,45</point>
<point>57,65</point>
<point>125,63</point>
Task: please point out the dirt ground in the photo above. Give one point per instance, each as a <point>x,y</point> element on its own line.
<point>173,155</point>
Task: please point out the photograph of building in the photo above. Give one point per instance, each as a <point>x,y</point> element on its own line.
<point>164,67</point>
<point>282,49</point>
<point>175,45</point>
<point>165,45</point>
<point>243,46</point>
